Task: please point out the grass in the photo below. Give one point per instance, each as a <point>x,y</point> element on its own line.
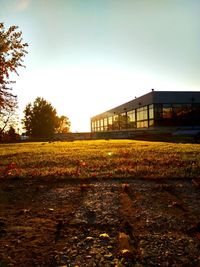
<point>100,158</point>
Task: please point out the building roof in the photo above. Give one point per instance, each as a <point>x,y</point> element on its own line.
<point>157,97</point>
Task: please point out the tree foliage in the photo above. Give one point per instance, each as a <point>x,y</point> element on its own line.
<point>41,120</point>
<point>63,124</point>
<point>8,116</point>
<point>12,52</point>
<point>9,135</point>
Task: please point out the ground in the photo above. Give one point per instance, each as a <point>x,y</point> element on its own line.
<point>98,222</point>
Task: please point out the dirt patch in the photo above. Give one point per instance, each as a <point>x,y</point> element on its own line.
<point>99,222</point>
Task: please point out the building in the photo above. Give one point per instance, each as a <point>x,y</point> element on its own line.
<point>152,111</point>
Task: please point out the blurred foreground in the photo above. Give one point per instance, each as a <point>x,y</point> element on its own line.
<point>112,222</point>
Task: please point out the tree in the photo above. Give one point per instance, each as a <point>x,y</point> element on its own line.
<point>63,125</point>
<point>41,119</point>
<point>8,116</point>
<point>12,52</point>
<point>10,135</point>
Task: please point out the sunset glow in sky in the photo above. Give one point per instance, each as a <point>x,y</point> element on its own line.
<point>87,56</point>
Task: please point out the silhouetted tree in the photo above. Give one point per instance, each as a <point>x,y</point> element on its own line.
<point>8,116</point>
<point>41,120</point>
<point>12,51</point>
<point>9,136</point>
<point>63,125</point>
<point>12,135</point>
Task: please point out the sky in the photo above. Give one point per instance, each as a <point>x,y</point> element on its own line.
<point>88,56</point>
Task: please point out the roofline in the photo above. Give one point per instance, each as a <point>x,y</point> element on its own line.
<point>152,92</point>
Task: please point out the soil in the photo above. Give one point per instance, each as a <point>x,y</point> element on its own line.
<point>99,222</point>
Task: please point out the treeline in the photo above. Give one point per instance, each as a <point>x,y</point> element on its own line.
<point>40,122</point>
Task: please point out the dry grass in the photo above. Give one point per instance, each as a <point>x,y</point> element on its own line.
<point>112,158</point>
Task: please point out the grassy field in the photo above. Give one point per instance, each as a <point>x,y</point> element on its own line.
<point>102,158</point>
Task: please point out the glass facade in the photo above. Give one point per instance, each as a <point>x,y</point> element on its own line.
<point>142,117</point>
<point>131,119</point>
<point>122,121</point>
<point>110,123</point>
<point>177,114</point>
<point>167,111</point>
<point>115,123</point>
<point>105,124</point>
<point>165,114</point>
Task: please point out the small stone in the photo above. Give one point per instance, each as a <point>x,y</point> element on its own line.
<point>51,209</point>
<point>104,236</point>
<point>73,253</point>
<point>88,257</point>
<point>89,238</point>
<point>108,256</point>
<point>126,253</point>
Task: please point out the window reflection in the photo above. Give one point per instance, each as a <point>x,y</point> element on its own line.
<point>142,113</point>
<point>110,123</point>
<point>149,116</point>
<point>167,111</point>
<point>131,120</point>
<point>151,112</point>
<point>142,124</point>
<point>122,121</point>
<point>115,123</point>
<point>142,117</point>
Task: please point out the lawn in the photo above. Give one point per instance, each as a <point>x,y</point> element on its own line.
<point>100,158</point>
<point>49,220</point>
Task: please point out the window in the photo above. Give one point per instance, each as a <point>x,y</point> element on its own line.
<point>105,122</point>
<point>98,125</point>
<point>101,125</point>
<point>93,126</point>
<point>115,122</point>
<point>167,111</point>
<point>173,114</point>
<point>151,123</point>
<point>131,119</point>
<point>122,120</point>
<point>158,111</point>
<point>142,117</point>
<point>186,110</point>
<point>177,110</point>
<point>110,123</point>
<point>151,112</point>
<point>142,124</point>
<point>110,120</point>
<point>142,114</point>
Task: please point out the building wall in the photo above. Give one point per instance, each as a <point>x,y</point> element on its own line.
<point>155,109</point>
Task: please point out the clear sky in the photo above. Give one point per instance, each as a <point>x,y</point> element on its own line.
<point>87,56</point>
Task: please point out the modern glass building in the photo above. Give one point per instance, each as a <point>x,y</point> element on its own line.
<point>157,109</point>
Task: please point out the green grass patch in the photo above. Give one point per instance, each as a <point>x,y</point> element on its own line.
<point>100,158</point>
